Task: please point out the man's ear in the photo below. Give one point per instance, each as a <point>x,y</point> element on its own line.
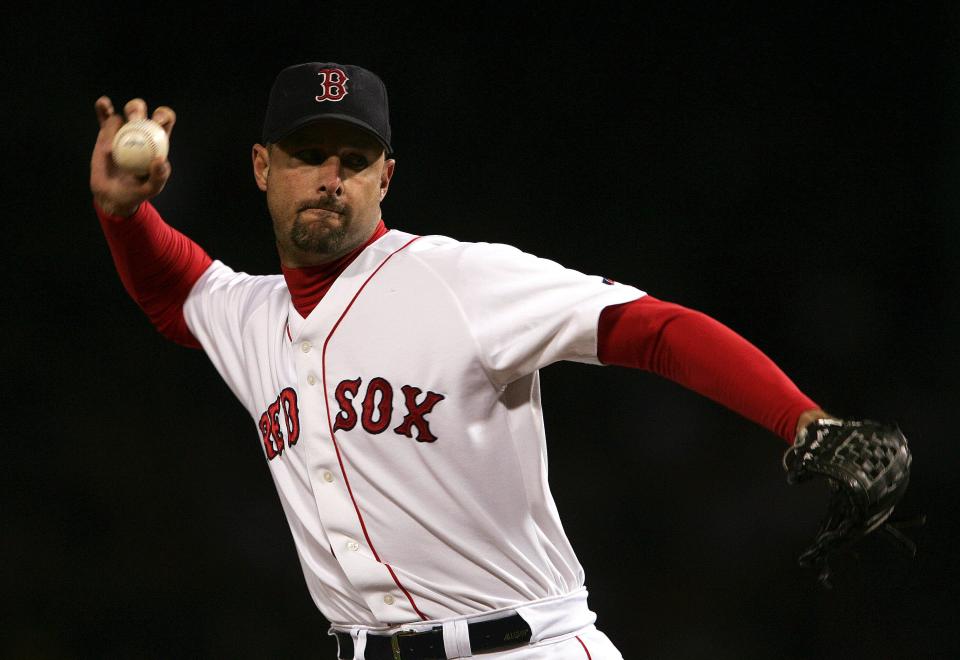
<point>385,176</point>
<point>261,165</point>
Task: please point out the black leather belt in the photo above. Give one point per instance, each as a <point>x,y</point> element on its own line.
<point>485,637</point>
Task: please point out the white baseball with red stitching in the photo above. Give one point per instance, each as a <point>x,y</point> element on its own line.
<point>137,143</point>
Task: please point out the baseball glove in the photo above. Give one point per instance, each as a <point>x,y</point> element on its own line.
<point>867,466</point>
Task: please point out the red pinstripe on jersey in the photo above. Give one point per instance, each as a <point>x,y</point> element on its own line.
<point>585,649</point>
<point>333,438</point>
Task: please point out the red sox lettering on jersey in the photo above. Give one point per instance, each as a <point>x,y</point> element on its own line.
<point>402,425</point>
<point>377,408</point>
<point>270,428</point>
<point>377,411</point>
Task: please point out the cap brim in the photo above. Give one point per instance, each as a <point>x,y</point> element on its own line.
<point>304,121</point>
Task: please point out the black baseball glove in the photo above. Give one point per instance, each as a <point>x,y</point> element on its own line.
<point>867,465</point>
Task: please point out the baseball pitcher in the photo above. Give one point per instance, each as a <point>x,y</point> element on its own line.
<point>392,380</point>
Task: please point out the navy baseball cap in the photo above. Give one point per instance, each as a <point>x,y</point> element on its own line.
<point>304,93</point>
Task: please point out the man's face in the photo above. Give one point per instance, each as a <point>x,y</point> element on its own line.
<point>324,184</point>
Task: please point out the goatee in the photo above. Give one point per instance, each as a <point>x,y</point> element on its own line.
<point>317,239</point>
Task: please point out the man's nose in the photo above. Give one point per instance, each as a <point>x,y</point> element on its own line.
<point>328,175</point>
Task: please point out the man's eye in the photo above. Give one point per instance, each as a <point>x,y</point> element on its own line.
<point>355,161</point>
<point>317,157</point>
<point>312,156</point>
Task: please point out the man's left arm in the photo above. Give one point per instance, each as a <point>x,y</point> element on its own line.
<point>866,462</point>
<point>705,356</point>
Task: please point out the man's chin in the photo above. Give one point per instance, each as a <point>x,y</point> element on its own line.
<point>317,238</point>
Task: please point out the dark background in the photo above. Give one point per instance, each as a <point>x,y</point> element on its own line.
<point>790,171</point>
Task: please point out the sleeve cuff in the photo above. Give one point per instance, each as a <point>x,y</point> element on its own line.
<point>142,211</point>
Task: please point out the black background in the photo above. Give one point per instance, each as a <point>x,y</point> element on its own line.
<point>789,170</point>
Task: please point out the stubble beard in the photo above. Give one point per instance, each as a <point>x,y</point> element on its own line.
<point>316,238</point>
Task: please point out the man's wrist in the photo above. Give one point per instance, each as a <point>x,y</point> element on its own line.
<point>116,210</point>
<point>811,416</point>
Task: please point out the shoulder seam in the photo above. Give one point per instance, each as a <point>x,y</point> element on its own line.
<point>487,370</point>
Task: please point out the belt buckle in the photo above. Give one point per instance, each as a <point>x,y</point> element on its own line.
<point>395,642</point>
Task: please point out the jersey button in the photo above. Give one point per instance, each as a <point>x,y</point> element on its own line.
<point>328,476</point>
<point>306,346</point>
<point>388,599</point>
<point>353,546</point>
<point>311,379</point>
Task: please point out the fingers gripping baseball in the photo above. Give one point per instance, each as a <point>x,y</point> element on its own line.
<point>124,174</point>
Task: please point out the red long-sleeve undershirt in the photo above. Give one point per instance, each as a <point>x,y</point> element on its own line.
<point>703,355</point>
<point>158,266</point>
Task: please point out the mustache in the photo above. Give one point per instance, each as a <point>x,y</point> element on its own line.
<point>325,203</point>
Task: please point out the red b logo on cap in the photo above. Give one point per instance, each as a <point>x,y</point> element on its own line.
<point>334,84</point>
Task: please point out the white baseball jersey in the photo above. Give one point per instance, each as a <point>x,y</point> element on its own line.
<point>402,426</point>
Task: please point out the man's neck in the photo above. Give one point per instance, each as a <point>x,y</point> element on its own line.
<point>309,284</point>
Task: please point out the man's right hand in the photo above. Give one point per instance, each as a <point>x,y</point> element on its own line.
<point>115,191</point>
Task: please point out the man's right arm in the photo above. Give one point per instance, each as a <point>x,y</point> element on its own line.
<point>157,264</point>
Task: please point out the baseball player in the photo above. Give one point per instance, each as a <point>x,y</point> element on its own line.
<point>393,380</point>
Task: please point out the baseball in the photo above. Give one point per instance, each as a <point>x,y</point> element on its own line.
<point>137,143</point>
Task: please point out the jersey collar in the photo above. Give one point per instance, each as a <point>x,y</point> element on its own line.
<point>308,285</point>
